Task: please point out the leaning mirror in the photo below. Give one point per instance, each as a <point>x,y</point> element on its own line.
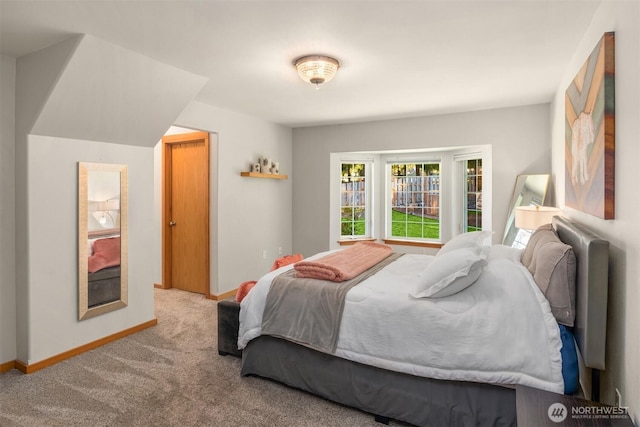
<point>530,190</point>
<point>102,238</point>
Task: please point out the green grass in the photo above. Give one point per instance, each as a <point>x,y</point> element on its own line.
<point>352,228</point>
<point>402,225</point>
<point>474,220</point>
<point>408,225</point>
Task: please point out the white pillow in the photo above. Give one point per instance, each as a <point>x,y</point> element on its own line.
<point>91,242</point>
<point>504,252</point>
<point>451,273</point>
<point>467,240</point>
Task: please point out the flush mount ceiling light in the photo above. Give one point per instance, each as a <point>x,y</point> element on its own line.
<point>316,69</point>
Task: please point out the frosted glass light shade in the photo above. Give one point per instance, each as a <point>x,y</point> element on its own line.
<point>532,217</point>
<point>316,69</point>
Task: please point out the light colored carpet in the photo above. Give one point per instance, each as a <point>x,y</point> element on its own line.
<point>167,375</point>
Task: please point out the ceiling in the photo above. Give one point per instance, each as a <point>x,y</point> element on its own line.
<point>399,58</point>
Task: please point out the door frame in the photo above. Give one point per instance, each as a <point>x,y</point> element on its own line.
<point>167,142</point>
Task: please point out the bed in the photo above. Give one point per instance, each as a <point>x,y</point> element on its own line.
<point>406,390</point>
<point>103,267</point>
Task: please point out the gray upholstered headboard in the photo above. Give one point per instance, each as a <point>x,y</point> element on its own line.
<point>592,284</point>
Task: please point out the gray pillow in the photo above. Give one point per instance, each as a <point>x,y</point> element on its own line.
<point>545,236</point>
<point>555,275</point>
<point>544,232</point>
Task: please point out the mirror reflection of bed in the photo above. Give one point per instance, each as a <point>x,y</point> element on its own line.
<point>103,229</point>
<point>102,238</point>
<point>103,267</point>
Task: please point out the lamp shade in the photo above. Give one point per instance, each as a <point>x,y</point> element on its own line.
<point>532,217</point>
<point>316,69</point>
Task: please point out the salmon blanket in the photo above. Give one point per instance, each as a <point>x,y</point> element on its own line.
<point>346,264</point>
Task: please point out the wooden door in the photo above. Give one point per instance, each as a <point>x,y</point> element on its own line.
<point>186,212</point>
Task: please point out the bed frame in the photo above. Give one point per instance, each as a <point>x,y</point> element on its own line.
<point>592,290</point>
<point>104,286</point>
<point>424,401</point>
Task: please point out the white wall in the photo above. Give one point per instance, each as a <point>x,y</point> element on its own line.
<point>46,283</point>
<point>519,138</point>
<point>40,291</point>
<point>623,233</point>
<point>7,212</point>
<point>119,96</point>
<point>253,215</point>
<point>53,325</point>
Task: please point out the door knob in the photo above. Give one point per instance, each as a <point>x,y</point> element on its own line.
<point>172,223</point>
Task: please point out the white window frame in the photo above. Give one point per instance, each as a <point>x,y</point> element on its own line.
<point>414,158</point>
<point>461,166</point>
<point>337,159</point>
<point>460,182</point>
<point>452,184</point>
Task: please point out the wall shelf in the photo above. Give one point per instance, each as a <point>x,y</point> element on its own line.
<point>263,175</point>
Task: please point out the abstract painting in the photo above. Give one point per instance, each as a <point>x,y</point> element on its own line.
<point>590,134</point>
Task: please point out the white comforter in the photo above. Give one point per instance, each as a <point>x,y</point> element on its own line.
<point>499,330</point>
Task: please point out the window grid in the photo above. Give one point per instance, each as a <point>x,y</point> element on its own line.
<point>473,195</point>
<point>353,201</point>
<point>415,200</point>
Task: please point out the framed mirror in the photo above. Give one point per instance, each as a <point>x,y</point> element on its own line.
<point>102,238</point>
<point>530,190</point>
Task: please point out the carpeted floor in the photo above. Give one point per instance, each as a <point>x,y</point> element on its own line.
<point>167,375</point>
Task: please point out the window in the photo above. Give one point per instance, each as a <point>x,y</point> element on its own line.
<point>353,204</point>
<point>417,197</point>
<point>473,196</point>
<point>415,200</point>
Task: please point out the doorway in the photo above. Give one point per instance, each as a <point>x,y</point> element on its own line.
<point>185,212</point>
